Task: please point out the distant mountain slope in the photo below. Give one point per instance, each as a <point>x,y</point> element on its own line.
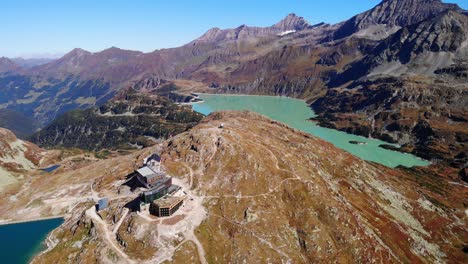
<point>45,98</point>
<point>29,63</point>
<point>82,79</point>
<point>129,121</point>
<point>18,123</point>
<point>7,65</point>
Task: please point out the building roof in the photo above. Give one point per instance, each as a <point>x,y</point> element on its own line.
<point>145,171</point>
<point>168,201</point>
<point>103,203</point>
<point>148,173</point>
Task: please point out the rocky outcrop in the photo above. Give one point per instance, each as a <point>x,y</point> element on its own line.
<point>17,157</point>
<point>458,71</point>
<point>18,154</point>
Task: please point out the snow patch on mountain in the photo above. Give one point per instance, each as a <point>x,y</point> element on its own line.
<point>287,32</point>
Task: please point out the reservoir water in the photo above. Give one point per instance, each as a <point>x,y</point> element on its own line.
<point>296,113</point>
<point>20,242</point>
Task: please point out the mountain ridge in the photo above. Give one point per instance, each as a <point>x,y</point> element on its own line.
<point>291,22</point>
<point>394,13</point>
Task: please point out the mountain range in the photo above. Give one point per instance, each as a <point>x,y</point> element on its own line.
<point>420,45</point>
<point>255,190</point>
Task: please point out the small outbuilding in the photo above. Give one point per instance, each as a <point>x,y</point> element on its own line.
<point>154,162</point>
<point>102,204</point>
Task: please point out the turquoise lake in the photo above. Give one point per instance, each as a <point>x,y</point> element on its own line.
<point>20,242</point>
<point>296,113</point>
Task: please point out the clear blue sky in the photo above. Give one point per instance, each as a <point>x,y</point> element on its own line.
<point>39,28</point>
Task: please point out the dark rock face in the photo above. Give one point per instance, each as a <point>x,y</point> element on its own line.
<point>457,71</point>
<point>446,32</point>
<point>394,13</point>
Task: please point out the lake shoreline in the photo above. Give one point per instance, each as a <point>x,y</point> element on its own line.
<point>23,240</point>
<point>258,95</point>
<point>38,219</point>
<point>295,113</point>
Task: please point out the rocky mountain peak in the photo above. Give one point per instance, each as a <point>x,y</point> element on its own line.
<point>77,52</point>
<point>210,35</point>
<point>394,13</point>
<point>292,22</point>
<point>71,59</point>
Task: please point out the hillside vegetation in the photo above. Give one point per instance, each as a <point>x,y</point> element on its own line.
<point>132,120</point>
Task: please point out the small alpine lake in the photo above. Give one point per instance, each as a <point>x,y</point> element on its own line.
<point>20,242</point>
<point>51,168</point>
<point>296,113</point>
